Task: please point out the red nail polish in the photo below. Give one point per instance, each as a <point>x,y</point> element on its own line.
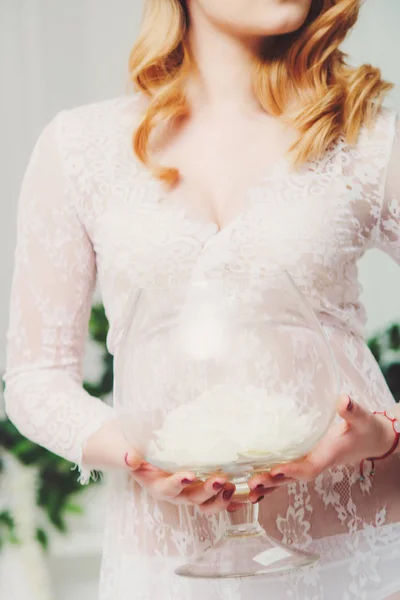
<point>259,499</point>
<point>186,481</point>
<point>227,495</point>
<point>278,476</point>
<point>217,486</point>
<point>350,405</point>
<point>259,486</point>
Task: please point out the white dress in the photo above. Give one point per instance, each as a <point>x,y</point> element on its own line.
<point>89,210</point>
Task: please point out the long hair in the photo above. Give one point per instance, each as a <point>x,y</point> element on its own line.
<point>303,69</point>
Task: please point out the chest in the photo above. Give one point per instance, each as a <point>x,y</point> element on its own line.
<point>219,162</point>
<point>313,224</point>
<point>305,223</point>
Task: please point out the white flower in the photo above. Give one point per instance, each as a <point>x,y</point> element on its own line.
<point>231,422</point>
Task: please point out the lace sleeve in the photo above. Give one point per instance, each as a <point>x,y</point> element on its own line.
<point>388,227</point>
<point>52,287</point>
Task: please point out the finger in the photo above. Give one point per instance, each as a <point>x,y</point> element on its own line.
<point>147,475</point>
<point>211,487</point>
<point>353,413</point>
<point>133,460</point>
<point>220,501</point>
<point>261,492</point>
<point>171,486</point>
<point>304,470</point>
<point>260,480</point>
<point>330,449</point>
<point>334,449</point>
<point>325,455</point>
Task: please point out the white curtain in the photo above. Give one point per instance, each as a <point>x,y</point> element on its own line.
<point>57,54</point>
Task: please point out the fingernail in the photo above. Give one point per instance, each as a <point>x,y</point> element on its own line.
<point>350,405</point>
<point>186,481</point>
<point>259,486</point>
<point>217,486</point>
<point>259,499</point>
<point>263,489</point>
<point>278,476</point>
<point>126,459</point>
<point>227,495</point>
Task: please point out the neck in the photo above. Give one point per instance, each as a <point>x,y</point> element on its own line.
<point>224,65</point>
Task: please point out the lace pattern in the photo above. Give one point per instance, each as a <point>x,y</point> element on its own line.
<point>88,210</point>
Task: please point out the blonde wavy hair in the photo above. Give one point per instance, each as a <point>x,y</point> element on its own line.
<point>305,69</point>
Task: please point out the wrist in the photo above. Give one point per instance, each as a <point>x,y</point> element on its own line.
<point>387,432</point>
<point>387,427</point>
<point>106,448</point>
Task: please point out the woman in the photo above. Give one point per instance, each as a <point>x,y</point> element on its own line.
<point>232,86</point>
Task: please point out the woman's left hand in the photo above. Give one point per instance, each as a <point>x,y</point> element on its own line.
<point>361,435</point>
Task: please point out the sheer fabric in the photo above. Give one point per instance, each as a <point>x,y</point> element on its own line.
<point>88,209</point>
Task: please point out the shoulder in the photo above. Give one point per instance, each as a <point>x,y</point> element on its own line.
<point>97,122</point>
<point>381,131</point>
<point>95,136</point>
<point>371,152</point>
<point>105,111</point>
<point>94,144</point>
<point>98,116</point>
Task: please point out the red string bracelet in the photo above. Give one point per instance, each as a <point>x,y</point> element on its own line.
<point>396,429</point>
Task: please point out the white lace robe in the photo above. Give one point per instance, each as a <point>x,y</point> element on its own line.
<point>87,210</point>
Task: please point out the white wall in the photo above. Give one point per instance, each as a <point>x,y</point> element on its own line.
<point>376,40</point>
<point>56,54</point>
<point>53,55</point>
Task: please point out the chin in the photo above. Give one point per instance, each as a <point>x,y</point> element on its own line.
<point>253,17</point>
<point>287,17</point>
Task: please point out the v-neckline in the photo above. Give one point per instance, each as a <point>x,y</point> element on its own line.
<point>278,169</point>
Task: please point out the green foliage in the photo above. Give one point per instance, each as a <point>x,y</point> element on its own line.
<point>98,329</point>
<point>42,538</point>
<point>385,346</point>
<point>7,529</point>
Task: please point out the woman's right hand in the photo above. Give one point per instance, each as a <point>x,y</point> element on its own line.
<point>211,496</point>
<point>107,447</point>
